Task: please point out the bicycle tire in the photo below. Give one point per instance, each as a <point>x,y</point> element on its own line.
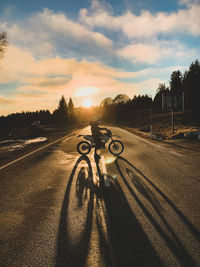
<point>114,146</point>
<point>83,148</point>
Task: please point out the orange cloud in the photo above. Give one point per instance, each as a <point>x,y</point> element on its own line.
<point>7,101</point>
<point>50,78</point>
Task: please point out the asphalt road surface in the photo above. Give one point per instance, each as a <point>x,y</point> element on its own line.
<point>54,210</point>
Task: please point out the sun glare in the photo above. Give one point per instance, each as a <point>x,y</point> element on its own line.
<point>87,103</point>
<point>86,91</point>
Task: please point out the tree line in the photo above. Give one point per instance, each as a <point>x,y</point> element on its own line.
<point>62,116</point>
<point>122,108</point>
<point>184,88</point>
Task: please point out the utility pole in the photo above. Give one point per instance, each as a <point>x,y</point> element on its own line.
<point>163,102</point>
<point>151,112</point>
<point>172,113</point>
<point>183,101</point>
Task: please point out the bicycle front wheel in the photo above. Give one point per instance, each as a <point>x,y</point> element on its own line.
<point>116,147</point>
<point>83,148</point>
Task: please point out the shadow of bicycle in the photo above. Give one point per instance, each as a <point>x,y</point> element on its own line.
<point>148,198</point>
<point>97,223</point>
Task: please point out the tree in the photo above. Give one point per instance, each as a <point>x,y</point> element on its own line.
<point>162,88</point>
<point>176,83</point>
<point>191,82</point>
<point>141,102</point>
<point>61,115</point>
<point>121,98</point>
<point>70,106</point>
<point>106,101</point>
<point>71,112</point>
<point>3,43</point>
<point>157,102</point>
<point>108,110</point>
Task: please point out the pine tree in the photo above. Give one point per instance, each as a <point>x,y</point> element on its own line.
<point>71,111</point>
<point>61,115</point>
<point>70,106</point>
<point>157,102</point>
<point>176,85</point>
<point>191,84</point>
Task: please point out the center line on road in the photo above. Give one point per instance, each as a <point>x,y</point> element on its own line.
<point>25,156</point>
<point>105,174</point>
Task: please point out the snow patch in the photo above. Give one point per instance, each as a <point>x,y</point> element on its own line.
<point>13,145</point>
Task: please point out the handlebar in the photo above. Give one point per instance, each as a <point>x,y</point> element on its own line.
<point>108,133</point>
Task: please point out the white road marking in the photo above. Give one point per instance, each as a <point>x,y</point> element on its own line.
<point>84,165</point>
<point>96,178</point>
<point>105,174</point>
<point>95,173</point>
<point>27,155</point>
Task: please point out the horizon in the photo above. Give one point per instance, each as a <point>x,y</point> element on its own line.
<point>91,50</point>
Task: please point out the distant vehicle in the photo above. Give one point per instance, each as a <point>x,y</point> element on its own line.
<point>116,147</point>
<point>35,123</point>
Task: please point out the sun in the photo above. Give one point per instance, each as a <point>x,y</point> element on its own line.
<point>87,102</point>
<point>86,91</point>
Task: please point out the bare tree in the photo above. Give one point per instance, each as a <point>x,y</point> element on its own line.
<point>3,43</point>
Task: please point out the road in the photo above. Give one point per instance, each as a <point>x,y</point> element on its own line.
<point>54,212</point>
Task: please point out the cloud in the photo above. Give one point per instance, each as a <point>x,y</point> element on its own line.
<point>7,101</point>
<point>189,2</point>
<point>48,33</point>
<point>48,79</point>
<point>155,52</point>
<point>21,66</point>
<point>40,83</point>
<point>25,102</point>
<point>147,24</point>
<point>52,55</point>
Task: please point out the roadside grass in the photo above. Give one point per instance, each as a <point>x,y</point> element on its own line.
<point>184,122</point>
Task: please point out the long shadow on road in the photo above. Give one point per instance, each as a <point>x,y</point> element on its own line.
<point>120,239</point>
<point>67,254</point>
<point>128,241</point>
<point>167,233</point>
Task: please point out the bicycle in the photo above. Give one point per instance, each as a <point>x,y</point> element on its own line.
<point>116,147</point>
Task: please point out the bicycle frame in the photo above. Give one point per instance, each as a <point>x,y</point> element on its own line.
<point>116,147</point>
<point>90,138</point>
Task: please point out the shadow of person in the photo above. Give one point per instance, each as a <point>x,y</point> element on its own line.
<point>120,237</point>
<point>173,242</point>
<point>126,243</point>
<point>72,248</point>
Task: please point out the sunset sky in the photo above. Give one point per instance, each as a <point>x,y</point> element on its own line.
<point>90,49</point>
